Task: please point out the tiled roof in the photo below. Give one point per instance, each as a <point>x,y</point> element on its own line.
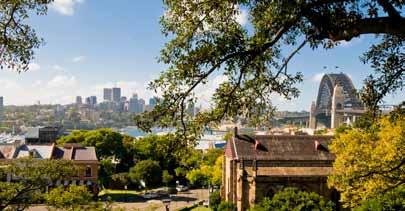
<point>279,147</point>
<point>7,151</point>
<point>41,151</point>
<point>76,153</point>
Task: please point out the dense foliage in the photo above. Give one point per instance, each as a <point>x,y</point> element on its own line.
<point>30,178</point>
<point>369,161</point>
<point>147,171</point>
<point>18,39</point>
<point>73,198</point>
<point>108,144</point>
<point>389,201</point>
<point>294,199</point>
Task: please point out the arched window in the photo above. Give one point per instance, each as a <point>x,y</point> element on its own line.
<point>88,171</point>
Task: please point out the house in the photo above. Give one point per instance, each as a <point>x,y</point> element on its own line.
<point>83,157</point>
<point>258,166</point>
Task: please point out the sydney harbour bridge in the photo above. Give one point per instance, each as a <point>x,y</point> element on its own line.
<point>337,102</point>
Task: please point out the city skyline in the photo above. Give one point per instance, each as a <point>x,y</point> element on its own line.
<point>83,60</point>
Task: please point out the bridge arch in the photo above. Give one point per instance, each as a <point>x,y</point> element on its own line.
<point>325,92</point>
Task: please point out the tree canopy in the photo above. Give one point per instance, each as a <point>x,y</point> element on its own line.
<point>369,161</point>
<point>206,41</point>
<point>294,199</point>
<point>147,171</point>
<point>30,177</point>
<point>18,39</point>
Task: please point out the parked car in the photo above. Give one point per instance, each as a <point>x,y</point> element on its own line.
<point>181,188</point>
<point>150,195</point>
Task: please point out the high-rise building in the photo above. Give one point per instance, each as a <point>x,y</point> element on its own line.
<point>133,103</point>
<point>1,108</point>
<point>93,100</point>
<point>107,93</point>
<point>79,100</point>
<point>141,105</point>
<point>116,94</point>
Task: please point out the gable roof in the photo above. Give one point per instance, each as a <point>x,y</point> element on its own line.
<point>279,147</point>
<point>76,153</point>
<point>7,151</point>
<point>40,151</point>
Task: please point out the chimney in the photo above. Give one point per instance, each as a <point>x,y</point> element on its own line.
<point>257,144</point>
<point>317,145</point>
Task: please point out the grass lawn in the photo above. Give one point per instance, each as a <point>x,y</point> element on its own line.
<point>201,209</point>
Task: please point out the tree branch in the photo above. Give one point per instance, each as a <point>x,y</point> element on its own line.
<point>388,8</point>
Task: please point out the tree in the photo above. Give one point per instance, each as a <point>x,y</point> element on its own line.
<point>148,171</point>
<point>31,177</point>
<point>390,201</point>
<point>369,161</point>
<point>18,40</point>
<point>166,177</point>
<point>74,198</point>
<point>165,149</point>
<point>294,199</point>
<point>108,143</point>
<point>207,174</point>
<point>206,41</point>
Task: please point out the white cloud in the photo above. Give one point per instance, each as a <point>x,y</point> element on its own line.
<point>62,81</point>
<point>352,42</point>
<point>205,91</point>
<point>57,67</point>
<point>78,59</point>
<point>34,67</point>
<point>242,17</point>
<point>317,77</point>
<point>65,7</point>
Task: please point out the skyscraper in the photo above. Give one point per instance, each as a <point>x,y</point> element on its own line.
<point>133,103</point>
<point>79,100</point>
<point>107,94</point>
<point>93,100</point>
<point>116,94</point>
<point>1,108</point>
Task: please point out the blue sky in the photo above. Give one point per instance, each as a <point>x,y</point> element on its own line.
<point>91,44</point>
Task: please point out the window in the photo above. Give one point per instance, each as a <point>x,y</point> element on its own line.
<point>88,171</point>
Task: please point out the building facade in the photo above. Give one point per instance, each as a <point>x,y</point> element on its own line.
<point>258,166</point>
<point>116,94</point>
<point>83,157</point>
<point>107,94</point>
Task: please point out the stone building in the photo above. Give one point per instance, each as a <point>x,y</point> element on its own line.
<point>259,166</point>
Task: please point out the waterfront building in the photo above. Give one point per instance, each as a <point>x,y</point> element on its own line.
<point>41,135</point>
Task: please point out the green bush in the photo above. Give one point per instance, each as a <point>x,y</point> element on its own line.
<point>226,206</point>
<point>215,200</point>
<point>294,199</point>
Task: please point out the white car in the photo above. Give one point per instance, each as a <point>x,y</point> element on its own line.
<point>181,188</point>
